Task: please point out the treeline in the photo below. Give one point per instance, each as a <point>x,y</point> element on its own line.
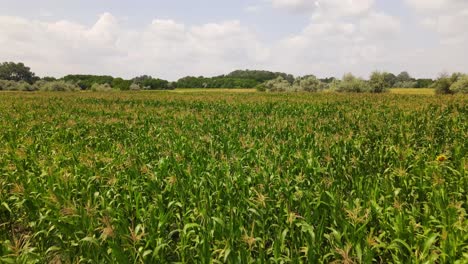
<point>451,84</point>
<point>145,82</point>
<point>378,82</point>
<point>17,76</point>
<point>254,78</point>
<point>235,79</point>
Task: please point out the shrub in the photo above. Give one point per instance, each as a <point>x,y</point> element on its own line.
<point>309,84</point>
<point>24,86</point>
<point>406,84</point>
<point>85,82</point>
<point>378,82</point>
<point>461,85</point>
<point>58,86</point>
<point>135,87</point>
<point>149,83</point>
<point>333,85</point>
<point>278,85</point>
<point>101,88</point>
<point>121,84</point>
<point>261,87</point>
<point>442,84</point>
<point>424,83</point>
<point>352,84</point>
<point>6,85</point>
<point>16,86</point>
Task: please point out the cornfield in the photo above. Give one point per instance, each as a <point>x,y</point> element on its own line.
<point>164,177</point>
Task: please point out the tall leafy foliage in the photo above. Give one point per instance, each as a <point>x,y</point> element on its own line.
<point>17,72</point>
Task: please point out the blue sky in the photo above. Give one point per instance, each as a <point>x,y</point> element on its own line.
<point>172,39</point>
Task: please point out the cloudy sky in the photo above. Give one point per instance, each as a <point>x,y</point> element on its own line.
<point>172,39</point>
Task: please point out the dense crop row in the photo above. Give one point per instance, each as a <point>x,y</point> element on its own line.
<point>239,178</point>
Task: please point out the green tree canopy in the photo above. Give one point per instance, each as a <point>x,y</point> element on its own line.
<point>378,82</point>
<point>309,83</point>
<point>85,82</point>
<point>149,83</point>
<point>390,78</point>
<point>16,72</point>
<point>424,83</point>
<point>260,76</point>
<point>350,83</point>
<point>404,77</point>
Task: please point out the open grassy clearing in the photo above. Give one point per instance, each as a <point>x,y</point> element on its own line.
<point>415,91</point>
<point>212,90</point>
<point>412,91</point>
<point>239,177</point>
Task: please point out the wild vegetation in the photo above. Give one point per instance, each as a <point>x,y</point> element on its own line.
<point>18,77</point>
<point>233,178</point>
<point>456,83</point>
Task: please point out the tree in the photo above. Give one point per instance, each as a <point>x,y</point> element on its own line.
<point>260,76</point>
<point>149,83</point>
<point>450,84</point>
<point>134,87</point>
<point>16,72</point>
<point>48,79</point>
<point>85,82</point>
<point>460,85</point>
<point>7,85</point>
<point>404,77</point>
<point>221,81</point>
<point>121,84</point>
<point>308,83</point>
<point>424,83</point>
<point>278,85</point>
<point>327,80</point>
<point>352,84</point>
<point>190,82</point>
<point>101,88</point>
<point>142,78</point>
<point>442,84</point>
<point>378,83</point>
<point>390,78</point>
<point>406,84</point>
<point>57,86</point>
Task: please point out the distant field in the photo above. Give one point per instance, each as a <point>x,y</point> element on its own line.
<point>421,91</point>
<point>425,91</point>
<point>211,90</point>
<point>197,176</point>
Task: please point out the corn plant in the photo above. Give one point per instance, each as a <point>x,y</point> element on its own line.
<point>233,178</point>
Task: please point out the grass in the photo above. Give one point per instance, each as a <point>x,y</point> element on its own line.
<point>212,90</point>
<point>409,91</point>
<point>194,177</point>
<point>415,91</point>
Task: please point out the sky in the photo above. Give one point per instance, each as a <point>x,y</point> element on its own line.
<point>177,38</point>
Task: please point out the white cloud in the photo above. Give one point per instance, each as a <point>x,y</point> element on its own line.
<point>342,8</point>
<point>252,8</point>
<point>448,18</point>
<point>356,36</point>
<point>340,36</point>
<point>295,5</point>
<point>380,24</point>
<point>329,48</point>
<point>164,48</point>
<point>325,8</point>
<point>436,5</point>
<point>45,13</point>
